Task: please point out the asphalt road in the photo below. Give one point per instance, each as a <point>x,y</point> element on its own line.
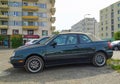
<point>67,74</point>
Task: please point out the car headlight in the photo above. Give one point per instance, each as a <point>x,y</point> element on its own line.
<point>13,54</point>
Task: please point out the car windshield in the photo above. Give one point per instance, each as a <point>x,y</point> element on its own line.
<point>50,38</point>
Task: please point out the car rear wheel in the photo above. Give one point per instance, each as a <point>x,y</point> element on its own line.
<point>34,64</point>
<point>99,59</point>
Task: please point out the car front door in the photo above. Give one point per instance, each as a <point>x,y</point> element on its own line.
<point>63,49</point>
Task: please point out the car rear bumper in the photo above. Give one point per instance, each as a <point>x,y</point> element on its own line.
<point>109,53</point>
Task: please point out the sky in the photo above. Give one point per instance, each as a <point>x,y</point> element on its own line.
<point>69,12</point>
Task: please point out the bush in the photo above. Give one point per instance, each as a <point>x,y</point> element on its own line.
<point>114,64</point>
<point>117,35</point>
<point>16,40</point>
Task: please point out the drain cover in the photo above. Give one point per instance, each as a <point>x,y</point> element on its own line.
<point>4,73</point>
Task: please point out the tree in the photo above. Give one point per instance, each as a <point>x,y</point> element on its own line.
<point>117,35</point>
<point>56,32</point>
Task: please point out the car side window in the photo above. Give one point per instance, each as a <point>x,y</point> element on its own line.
<point>84,39</point>
<point>72,39</point>
<point>61,39</point>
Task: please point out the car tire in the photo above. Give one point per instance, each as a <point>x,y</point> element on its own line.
<point>34,64</point>
<point>99,59</point>
<point>116,48</point>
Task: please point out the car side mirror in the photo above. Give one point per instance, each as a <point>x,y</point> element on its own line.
<point>53,44</point>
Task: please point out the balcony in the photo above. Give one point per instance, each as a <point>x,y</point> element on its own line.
<point>30,8</point>
<point>31,0</point>
<point>4,7</point>
<point>52,2</point>
<point>30,27</point>
<point>52,19</point>
<point>53,28</point>
<point>4,17</point>
<point>3,26</point>
<point>52,10</point>
<point>30,17</point>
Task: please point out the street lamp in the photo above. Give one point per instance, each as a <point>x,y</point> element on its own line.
<point>85,29</point>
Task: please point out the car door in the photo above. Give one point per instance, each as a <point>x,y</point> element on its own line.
<point>65,50</point>
<point>87,49</point>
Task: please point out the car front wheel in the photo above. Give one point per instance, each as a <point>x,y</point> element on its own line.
<point>34,64</point>
<point>99,59</point>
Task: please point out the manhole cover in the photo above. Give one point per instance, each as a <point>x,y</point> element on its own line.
<point>4,73</point>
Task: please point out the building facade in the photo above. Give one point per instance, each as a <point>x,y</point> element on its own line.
<point>110,21</point>
<point>87,25</point>
<point>30,18</point>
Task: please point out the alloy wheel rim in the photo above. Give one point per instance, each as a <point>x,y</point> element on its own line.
<point>100,60</point>
<point>34,65</point>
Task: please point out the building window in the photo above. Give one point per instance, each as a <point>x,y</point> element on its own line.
<point>112,21</point>
<point>15,31</point>
<point>4,31</point>
<point>112,28</point>
<point>119,5</point>
<point>44,33</point>
<point>30,32</point>
<point>112,34</point>
<point>43,24</point>
<point>102,28</point>
<point>43,15</point>
<point>42,5</point>
<point>118,25</point>
<point>25,4</point>
<point>106,28</point>
<point>118,18</point>
<point>106,34</point>
<point>112,14</point>
<point>118,11</point>
<point>15,4</point>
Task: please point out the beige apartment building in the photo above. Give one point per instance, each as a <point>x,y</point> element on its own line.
<point>110,21</point>
<point>31,18</point>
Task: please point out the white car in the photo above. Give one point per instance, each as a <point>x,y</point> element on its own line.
<point>116,45</point>
<point>31,41</point>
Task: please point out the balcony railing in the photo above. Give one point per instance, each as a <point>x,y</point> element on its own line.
<point>30,8</point>
<point>53,28</point>
<point>30,17</point>
<point>4,7</point>
<point>52,19</point>
<point>52,2</point>
<point>52,10</point>
<point>30,0</point>
<point>3,26</point>
<point>30,27</point>
<point>4,17</point>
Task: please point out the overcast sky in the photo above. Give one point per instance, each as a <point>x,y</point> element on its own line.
<point>69,12</point>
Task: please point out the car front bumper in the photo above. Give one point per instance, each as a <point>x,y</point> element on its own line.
<point>17,62</point>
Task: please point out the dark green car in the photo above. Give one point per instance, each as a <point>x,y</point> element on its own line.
<point>65,48</point>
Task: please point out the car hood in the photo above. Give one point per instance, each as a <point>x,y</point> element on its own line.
<point>29,47</point>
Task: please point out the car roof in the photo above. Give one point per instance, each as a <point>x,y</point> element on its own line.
<point>73,33</point>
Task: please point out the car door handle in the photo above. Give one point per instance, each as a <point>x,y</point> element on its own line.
<point>77,46</point>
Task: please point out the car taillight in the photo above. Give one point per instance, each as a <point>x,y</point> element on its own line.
<point>109,45</point>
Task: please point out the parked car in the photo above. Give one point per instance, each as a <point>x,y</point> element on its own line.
<point>31,41</point>
<point>64,48</point>
<point>116,45</point>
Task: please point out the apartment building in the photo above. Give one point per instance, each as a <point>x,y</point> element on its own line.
<point>110,21</point>
<point>87,25</point>
<point>30,18</point>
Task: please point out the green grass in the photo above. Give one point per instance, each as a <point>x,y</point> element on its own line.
<point>114,64</point>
